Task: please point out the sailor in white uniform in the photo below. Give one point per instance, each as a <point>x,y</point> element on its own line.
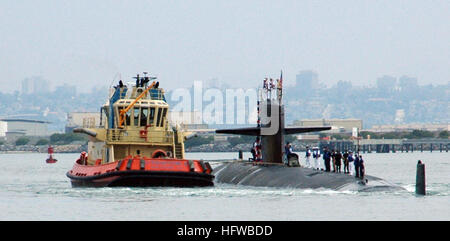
<point>308,157</point>
<point>316,155</point>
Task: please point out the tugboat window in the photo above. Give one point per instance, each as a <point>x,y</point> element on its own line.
<point>144,115</point>
<point>163,116</point>
<point>159,117</point>
<point>128,118</point>
<point>151,119</point>
<point>119,109</point>
<point>136,116</point>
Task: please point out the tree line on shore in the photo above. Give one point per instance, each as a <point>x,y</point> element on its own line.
<point>64,139</point>
<point>55,139</point>
<point>241,139</point>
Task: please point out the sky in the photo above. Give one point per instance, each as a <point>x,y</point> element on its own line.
<point>94,43</point>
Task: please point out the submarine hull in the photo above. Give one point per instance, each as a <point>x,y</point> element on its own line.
<point>276,175</point>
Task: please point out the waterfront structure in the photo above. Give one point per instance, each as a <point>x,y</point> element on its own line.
<point>387,145</point>
<point>3,128</point>
<point>187,120</point>
<point>82,119</point>
<point>23,127</point>
<point>220,139</point>
<point>342,125</point>
<point>410,127</point>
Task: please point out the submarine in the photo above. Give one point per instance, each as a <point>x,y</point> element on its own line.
<point>268,169</point>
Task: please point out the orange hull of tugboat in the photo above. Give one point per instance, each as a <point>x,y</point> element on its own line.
<point>142,172</point>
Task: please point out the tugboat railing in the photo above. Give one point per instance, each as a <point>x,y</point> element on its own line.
<point>139,136</point>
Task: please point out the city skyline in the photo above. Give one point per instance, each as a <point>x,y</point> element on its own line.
<point>391,100</point>
<point>89,43</point>
<point>48,85</point>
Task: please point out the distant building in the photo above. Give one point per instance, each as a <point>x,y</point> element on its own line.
<point>66,90</point>
<point>406,83</point>
<point>23,127</point>
<point>342,125</point>
<point>35,85</point>
<point>308,137</point>
<point>399,116</point>
<point>26,86</point>
<point>3,128</point>
<point>82,119</point>
<point>306,80</point>
<point>220,138</point>
<point>386,82</point>
<point>189,120</point>
<point>410,127</point>
<point>12,136</point>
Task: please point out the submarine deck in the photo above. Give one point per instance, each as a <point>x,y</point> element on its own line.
<point>279,175</point>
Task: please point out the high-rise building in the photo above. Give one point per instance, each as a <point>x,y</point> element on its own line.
<point>306,80</point>
<point>35,85</point>
<point>40,85</point>
<point>26,86</point>
<point>386,82</point>
<point>406,82</point>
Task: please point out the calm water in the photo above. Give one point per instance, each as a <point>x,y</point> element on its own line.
<point>30,189</point>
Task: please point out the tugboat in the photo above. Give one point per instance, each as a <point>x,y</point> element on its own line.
<point>136,146</point>
<point>50,158</point>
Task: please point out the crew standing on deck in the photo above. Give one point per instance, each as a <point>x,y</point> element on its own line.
<point>356,163</point>
<point>256,149</point>
<point>253,151</point>
<point>308,157</point>
<point>288,151</point>
<point>327,159</point>
<point>333,158</point>
<point>361,167</point>
<point>338,158</point>
<point>350,161</point>
<point>290,154</point>
<point>345,159</point>
<point>316,155</point>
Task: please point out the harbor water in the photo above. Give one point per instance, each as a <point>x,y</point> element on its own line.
<point>31,189</point>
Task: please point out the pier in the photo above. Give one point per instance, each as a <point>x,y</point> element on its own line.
<point>388,145</point>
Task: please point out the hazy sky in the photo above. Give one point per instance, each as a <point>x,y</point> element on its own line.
<point>241,42</point>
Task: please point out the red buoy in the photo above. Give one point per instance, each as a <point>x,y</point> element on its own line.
<point>50,158</point>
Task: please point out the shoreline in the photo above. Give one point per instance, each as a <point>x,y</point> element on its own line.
<point>69,148</point>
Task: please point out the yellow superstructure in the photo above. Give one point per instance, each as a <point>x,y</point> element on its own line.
<point>136,124</point>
